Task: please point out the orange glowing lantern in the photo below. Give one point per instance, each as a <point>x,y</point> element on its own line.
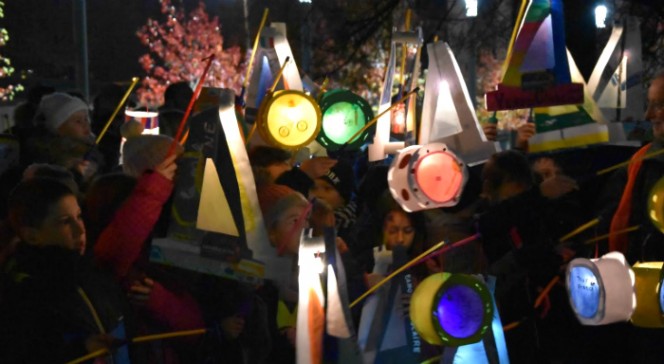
<point>289,119</point>
<point>426,177</point>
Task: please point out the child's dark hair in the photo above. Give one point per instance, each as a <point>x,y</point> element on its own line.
<point>508,166</point>
<point>30,201</point>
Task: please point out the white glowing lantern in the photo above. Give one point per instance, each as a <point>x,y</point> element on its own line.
<point>381,144</point>
<point>601,291</point>
<point>311,301</point>
<point>600,16</point>
<point>426,177</point>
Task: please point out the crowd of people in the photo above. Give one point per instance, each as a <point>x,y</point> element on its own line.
<point>76,230</point>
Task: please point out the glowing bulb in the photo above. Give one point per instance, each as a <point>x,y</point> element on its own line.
<point>600,16</point>
<point>471,8</point>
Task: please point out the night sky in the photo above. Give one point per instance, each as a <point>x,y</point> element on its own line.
<point>41,34</point>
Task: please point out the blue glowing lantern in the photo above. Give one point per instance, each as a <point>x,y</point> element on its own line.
<point>648,287</point>
<point>601,291</point>
<point>451,309</point>
<point>344,114</point>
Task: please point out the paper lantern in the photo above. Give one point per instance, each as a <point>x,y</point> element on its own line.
<point>344,114</point>
<point>648,287</point>
<point>289,119</point>
<point>451,309</point>
<point>426,177</point>
<point>656,205</point>
<point>601,291</point>
<point>149,119</point>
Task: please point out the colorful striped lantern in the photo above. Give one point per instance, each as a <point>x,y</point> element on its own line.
<point>451,309</point>
<point>289,119</point>
<point>648,287</point>
<point>426,177</point>
<point>344,114</point>
<point>601,291</point>
<point>149,119</point>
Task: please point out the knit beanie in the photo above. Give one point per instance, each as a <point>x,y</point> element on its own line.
<point>144,152</point>
<point>275,198</point>
<point>342,178</point>
<point>56,108</point>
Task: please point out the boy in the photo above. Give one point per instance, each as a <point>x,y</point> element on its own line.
<point>57,306</point>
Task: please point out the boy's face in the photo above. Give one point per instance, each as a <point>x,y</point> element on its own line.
<point>398,230</point>
<point>63,227</point>
<point>288,228</point>
<point>326,192</point>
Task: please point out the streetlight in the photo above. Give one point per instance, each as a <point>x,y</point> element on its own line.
<point>471,8</point>
<point>600,16</point>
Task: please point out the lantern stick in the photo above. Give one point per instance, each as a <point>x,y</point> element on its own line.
<point>445,249</point>
<point>512,325</point>
<point>168,335</point>
<point>134,81</point>
<point>253,50</point>
<point>546,290</point>
<point>404,51</point>
<point>140,339</point>
<point>89,356</point>
<point>617,232</point>
<point>375,119</point>
<point>409,264</point>
<point>619,165</point>
<point>579,230</point>
<point>271,90</point>
<point>194,96</point>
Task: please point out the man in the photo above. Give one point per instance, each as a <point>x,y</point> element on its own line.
<point>634,184</point>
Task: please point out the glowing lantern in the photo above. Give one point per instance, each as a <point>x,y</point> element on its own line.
<point>426,177</point>
<point>451,309</point>
<point>289,119</point>
<point>648,286</point>
<point>601,291</point>
<point>149,119</point>
<point>344,114</point>
<point>656,205</point>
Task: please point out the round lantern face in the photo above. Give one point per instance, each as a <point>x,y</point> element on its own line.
<point>438,176</point>
<point>660,295</point>
<point>289,119</point>
<point>656,205</point>
<point>585,291</point>
<point>462,310</point>
<point>344,114</point>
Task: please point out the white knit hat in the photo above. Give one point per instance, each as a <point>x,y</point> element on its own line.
<point>56,108</point>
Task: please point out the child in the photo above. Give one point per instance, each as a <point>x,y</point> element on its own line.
<point>336,188</point>
<point>57,305</point>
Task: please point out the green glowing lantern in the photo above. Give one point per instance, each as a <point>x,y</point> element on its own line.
<point>344,114</point>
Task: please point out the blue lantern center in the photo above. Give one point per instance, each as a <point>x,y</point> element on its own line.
<point>460,311</point>
<point>584,291</point>
<point>661,296</point>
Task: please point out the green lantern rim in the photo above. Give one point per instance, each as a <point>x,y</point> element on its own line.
<point>485,296</point>
<point>333,97</point>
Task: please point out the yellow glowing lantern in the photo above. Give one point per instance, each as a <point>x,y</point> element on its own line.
<point>289,119</point>
<point>451,309</point>
<point>648,286</point>
<point>656,205</point>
